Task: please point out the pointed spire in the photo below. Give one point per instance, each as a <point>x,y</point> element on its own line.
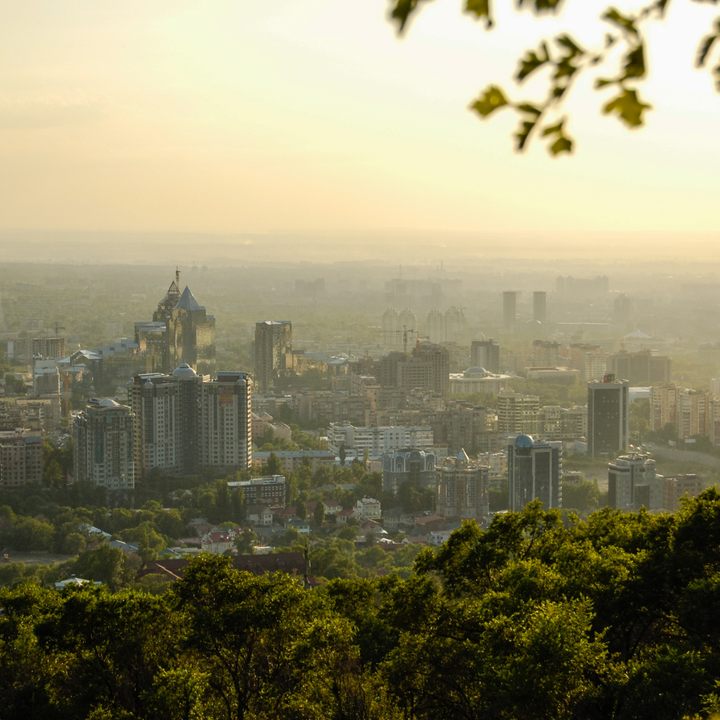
<point>177,276</point>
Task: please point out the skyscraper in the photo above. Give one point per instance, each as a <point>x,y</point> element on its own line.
<point>103,445</point>
<point>226,422</point>
<point>534,472</point>
<point>509,308</point>
<point>185,423</point>
<point>181,331</point>
<point>608,416</point>
<point>540,306</point>
<point>273,351</point>
<point>486,354</point>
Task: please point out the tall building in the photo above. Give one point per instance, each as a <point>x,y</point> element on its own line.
<point>632,483</point>
<point>185,423</point>
<point>534,472</point>
<point>462,489</point>
<point>427,367</point>
<point>486,354</point>
<point>273,351</point>
<point>154,399</point>
<point>540,306</point>
<point>416,467</point>
<point>181,331</point>
<point>608,416</point>
<point>517,413</point>
<point>21,458</point>
<point>226,422</point>
<point>689,411</point>
<point>103,445</point>
<point>640,368</point>
<point>509,298</point>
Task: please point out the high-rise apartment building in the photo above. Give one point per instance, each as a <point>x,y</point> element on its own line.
<point>226,421</point>
<point>377,440</point>
<point>103,445</point>
<point>534,472</point>
<point>273,352</point>
<point>21,458</point>
<point>517,413</point>
<point>608,416</point>
<point>185,423</point>
<point>462,489</point>
<point>486,354</point>
<point>689,411</point>
<point>427,367</point>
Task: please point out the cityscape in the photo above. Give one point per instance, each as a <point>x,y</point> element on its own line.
<point>358,360</point>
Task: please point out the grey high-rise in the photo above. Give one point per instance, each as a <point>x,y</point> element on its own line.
<point>273,351</point>
<point>534,472</point>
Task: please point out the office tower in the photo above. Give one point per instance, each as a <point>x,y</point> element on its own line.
<point>181,331</point>
<point>462,489</point>
<point>540,306</point>
<point>226,422</point>
<point>608,416</point>
<point>517,413</point>
<point>103,445</point>
<point>427,367</point>
<point>486,354</point>
<point>632,483</point>
<point>21,458</point>
<point>509,308</point>
<point>534,472</point>
<point>273,352</point>
<point>413,467</point>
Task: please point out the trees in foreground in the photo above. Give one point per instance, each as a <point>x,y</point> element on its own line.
<point>539,617</point>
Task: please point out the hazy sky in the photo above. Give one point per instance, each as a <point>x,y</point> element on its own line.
<point>312,117</point>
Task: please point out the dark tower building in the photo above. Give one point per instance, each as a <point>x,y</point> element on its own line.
<point>273,351</point>
<point>608,416</point>
<point>534,472</point>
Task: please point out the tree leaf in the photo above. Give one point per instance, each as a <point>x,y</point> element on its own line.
<point>562,145</point>
<point>479,8</point>
<point>628,107</point>
<point>491,100</point>
<point>531,61</point>
<point>625,23</point>
<point>635,63</point>
<point>705,48</point>
<point>402,10</point>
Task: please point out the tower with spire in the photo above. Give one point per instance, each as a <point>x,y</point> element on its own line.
<point>181,331</point>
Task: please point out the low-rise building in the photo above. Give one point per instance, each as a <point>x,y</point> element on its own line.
<point>21,458</point>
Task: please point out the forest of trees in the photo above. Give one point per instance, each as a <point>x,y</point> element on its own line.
<point>615,616</point>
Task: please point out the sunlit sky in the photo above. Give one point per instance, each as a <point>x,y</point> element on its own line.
<point>313,117</point>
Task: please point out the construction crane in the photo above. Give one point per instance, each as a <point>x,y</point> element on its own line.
<point>405,331</point>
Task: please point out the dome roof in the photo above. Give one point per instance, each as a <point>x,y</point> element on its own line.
<point>524,441</point>
<point>184,372</point>
<point>476,371</point>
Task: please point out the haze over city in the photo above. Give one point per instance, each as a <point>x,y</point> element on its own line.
<point>313,124</point>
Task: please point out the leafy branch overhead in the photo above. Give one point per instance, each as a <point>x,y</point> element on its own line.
<point>563,60</point>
